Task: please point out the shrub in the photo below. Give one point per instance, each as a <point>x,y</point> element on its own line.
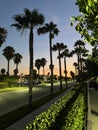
<point>75,119</point>
<point>45,119</point>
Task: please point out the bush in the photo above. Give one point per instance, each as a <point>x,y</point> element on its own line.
<point>75,119</point>
<point>47,118</point>
<point>67,113</point>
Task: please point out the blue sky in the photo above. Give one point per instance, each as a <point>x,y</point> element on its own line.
<point>58,11</point>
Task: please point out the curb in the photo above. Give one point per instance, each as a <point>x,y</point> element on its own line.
<point>89,121</point>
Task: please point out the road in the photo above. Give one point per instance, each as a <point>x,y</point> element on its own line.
<point>13,99</point>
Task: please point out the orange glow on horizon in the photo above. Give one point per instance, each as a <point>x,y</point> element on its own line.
<point>47,70</point>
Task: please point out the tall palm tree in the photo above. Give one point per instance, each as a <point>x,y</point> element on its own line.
<point>8,53</point>
<point>79,45</point>
<point>3,35</point>
<point>84,54</point>
<point>43,63</point>
<point>17,59</point>
<point>59,47</point>
<point>38,65</point>
<point>65,54</point>
<point>29,20</point>
<point>80,50</point>
<point>52,29</point>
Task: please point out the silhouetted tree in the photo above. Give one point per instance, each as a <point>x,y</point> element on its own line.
<point>38,65</point>
<point>17,59</point>
<point>65,54</point>
<point>59,47</point>
<point>8,53</point>
<point>29,20</point>
<point>43,63</point>
<point>3,35</point>
<point>72,75</point>
<point>3,71</point>
<point>52,29</point>
<point>75,64</point>
<point>80,51</point>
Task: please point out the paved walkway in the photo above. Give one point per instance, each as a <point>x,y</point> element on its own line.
<point>20,125</point>
<point>94,108</point>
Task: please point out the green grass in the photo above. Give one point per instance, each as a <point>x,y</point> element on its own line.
<point>13,116</point>
<point>3,90</point>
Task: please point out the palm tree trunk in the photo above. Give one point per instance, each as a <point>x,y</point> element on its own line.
<point>60,72</point>
<point>31,66</point>
<point>65,71</point>
<point>51,63</point>
<point>43,71</point>
<point>80,63</point>
<point>78,67</point>
<point>17,66</point>
<point>8,67</point>
<point>16,69</point>
<point>38,72</point>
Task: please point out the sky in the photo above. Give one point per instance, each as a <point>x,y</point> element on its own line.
<point>57,11</point>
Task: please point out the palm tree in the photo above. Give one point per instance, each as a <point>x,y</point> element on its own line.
<point>3,71</point>
<point>8,53</point>
<point>50,28</point>
<point>3,35</point>
<point>84,54</point>
<point>17,59</point>
<point>29,20</point>
<point>15,72</point>
<point>78,48</point>
<point>75,64</point>
<point>65,54</point>
<point>59,47</point>
<point>81,51</point>
<point>72,75</point>
<point>43,63</point>
<point>3,74</point>
<point>38,65</point>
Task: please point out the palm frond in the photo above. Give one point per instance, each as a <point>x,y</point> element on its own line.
<point>3,35</point>
<point>18,27</point>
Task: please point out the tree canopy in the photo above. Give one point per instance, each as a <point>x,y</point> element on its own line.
<point>3,35</point>
<point>87,21</point>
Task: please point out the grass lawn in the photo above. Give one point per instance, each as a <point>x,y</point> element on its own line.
<point>2,90</point>
<point>4,86</point>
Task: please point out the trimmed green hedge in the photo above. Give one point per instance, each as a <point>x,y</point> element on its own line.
<point>75,119</point>
<point>45,119</point>
<point>68,112</point>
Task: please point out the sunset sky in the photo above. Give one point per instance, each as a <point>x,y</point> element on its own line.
<point>57,11</point>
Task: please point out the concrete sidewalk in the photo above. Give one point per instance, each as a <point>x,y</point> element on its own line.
<point>20,125</point>
<point>94,107</point>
